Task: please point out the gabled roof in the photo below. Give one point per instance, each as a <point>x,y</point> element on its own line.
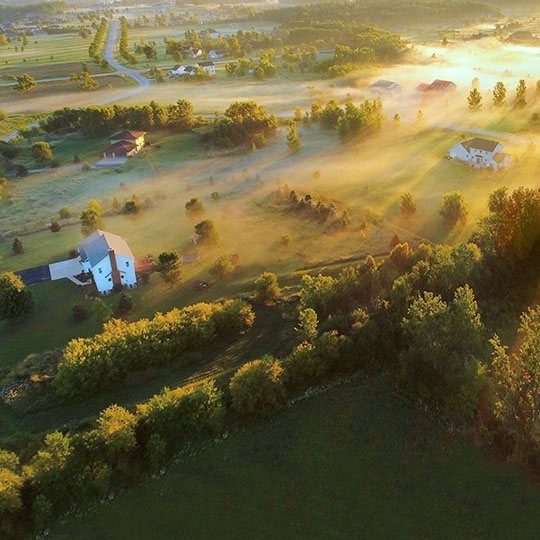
<point>127,135</point>
<point>120,147</point>
<point>480,144</point>
<point>382,83</point>
<point>96,247</point>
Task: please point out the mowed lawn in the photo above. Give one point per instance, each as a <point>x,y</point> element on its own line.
<point>354,462</point>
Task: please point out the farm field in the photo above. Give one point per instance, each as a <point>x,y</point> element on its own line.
<point>354,461</point>
<point>55,55</point>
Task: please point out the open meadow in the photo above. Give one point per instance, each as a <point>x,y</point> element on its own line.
<point>353,461</point>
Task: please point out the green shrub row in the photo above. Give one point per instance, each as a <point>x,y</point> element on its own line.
<point>89,364</point>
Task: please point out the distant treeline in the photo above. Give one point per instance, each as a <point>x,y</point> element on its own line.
<point>10,13</point>
<point>384,12</point>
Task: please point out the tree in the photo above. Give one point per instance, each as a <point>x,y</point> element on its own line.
<point>181,115</point>
<point>257,387</point>
<point>169,267</point>
<point>444,356</point>
<point>307,325</point>
<point>91,217</point>
<point>215,196</point>
<point>42,151</point>
<point>25,83</point>
<point>102,311</point>
<point>454,209</point>
<point>408,206</point>
<point>11,482</point>
<point>499,94</point>
<point>515,389</point>
<point>15,299</point>
<point>87,82</point>
<point>475,100</point>
<point>17,246</point>
<point>521,94</point>
<point>206,233</point>
<point>64,213</point>
<point>116,430</point>
<point>267,288</point>
<point>125,305</point>
<point>222,267</point>
<point>194,208</point>
<point>293,140</point>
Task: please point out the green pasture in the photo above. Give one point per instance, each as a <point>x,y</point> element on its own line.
<point>354,462</point>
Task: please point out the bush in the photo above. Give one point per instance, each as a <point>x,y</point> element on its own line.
<point>189,410</point>
<point>257,387</point>
<point>97,362</point>
<point>125,305</point>
<point>55,226</point>
<point>80,313</point>
<point>267,288</point>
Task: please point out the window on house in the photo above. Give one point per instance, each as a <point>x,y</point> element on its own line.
<point>127,263</point>
<point>110,279</point>
<point>100,270</point>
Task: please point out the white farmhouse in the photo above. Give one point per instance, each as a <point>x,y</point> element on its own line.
<point>110,261</point>
<point>481,154</point>
<point>207,67</point>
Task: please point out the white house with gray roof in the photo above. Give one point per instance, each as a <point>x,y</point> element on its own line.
<point>481,154</point>
<point>109,259</point>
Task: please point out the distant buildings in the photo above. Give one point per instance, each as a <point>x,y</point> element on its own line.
<point>217,53</point>
<point>179,70</point>
<point>438,86</point>
<point>481,154</point>
<point>210,32</point>
<point>386,87</point>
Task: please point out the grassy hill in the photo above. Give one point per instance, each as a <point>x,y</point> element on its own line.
<point>353,462</point>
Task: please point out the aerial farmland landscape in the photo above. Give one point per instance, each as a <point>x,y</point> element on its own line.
<point>270,269</point>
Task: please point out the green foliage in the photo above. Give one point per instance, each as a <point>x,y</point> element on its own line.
<point>407,204</point>
<point>116,432</point>
<point>521,94</point>
<point>25,83</point>
<point>475,100</point>
<point>444,348</point>
<point>92,217</point>
<point>499,94</point>
<point>42,151</point>
<point>88,364</point>
<point>454,209</point>
<point>194,207</point>
<point>124,305</point>
<point>222,267</point>
<point>267,288</point>
<point>257,387</point>
<point>178,414</point>
<point>243,123</point>
<point>102,311</point>
<point>515,390</point>
<point>206,233</point>
<point>15,299</point>
<point>307,325</point>
<point>293,140</point>
<point>169,266</point>
<point>356,121</point>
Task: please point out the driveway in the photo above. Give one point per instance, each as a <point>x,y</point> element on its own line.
<point>38,274</point>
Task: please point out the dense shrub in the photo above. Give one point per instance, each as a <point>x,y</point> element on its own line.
<point>177,414</point>
<point>257,387</point>
<point>91,363</point>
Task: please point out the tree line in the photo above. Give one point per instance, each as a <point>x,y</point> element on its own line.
<point>425,316</point>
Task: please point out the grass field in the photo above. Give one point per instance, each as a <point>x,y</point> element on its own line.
<point>354,462</point>
<point>248,225</point>
<point>55,55</point>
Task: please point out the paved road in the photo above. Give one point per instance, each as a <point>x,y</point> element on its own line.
<point>110,46</point>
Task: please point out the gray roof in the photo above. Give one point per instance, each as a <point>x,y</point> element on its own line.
<point>96,247</point>
<point>381,83</point>
<point>480,144</point>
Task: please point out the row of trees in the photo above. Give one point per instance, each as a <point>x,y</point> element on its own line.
<point>88,364</point>
<point>96,47</point>
<point>102,120</point>
<point>475,98</point>
<point>123,49</point>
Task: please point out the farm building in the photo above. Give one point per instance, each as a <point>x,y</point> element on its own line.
<point>438,86</point>
<point>109,259</point>
<point>123,145</point>
<point>481,154</point>
<point>386,87</point>
<point>190,71</point>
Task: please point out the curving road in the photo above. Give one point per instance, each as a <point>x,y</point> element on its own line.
<point>142,82</point>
